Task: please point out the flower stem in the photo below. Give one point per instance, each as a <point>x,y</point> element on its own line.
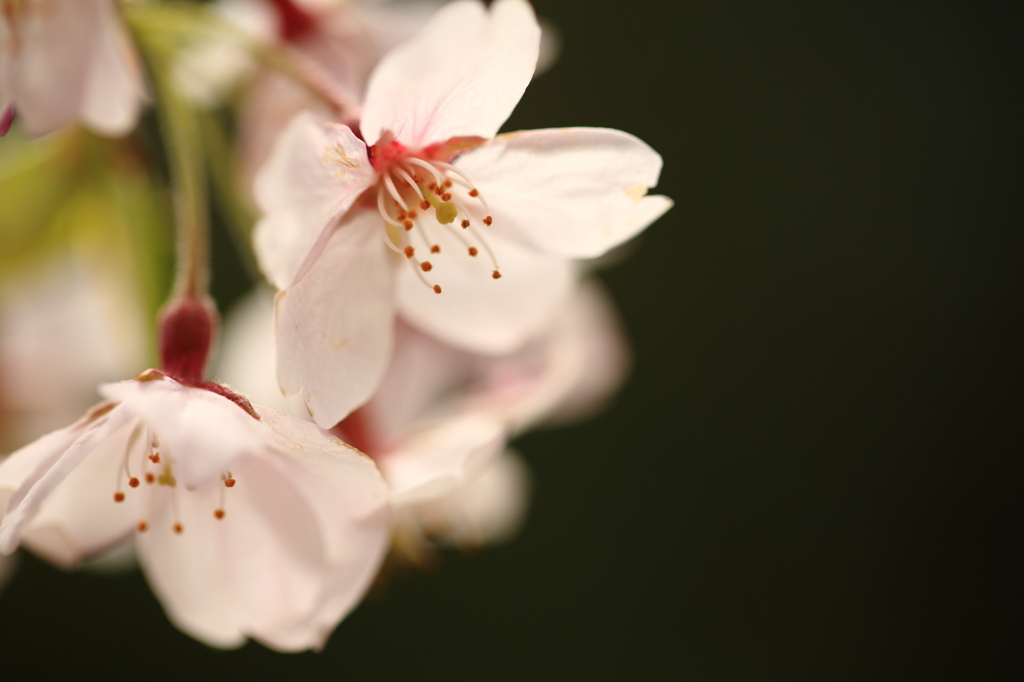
<point>181,136</point>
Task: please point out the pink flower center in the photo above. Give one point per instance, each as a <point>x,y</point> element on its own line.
<point>417,193</point>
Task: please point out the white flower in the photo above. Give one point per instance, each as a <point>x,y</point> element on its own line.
<point>247,523</point>
<point>438,423</point>
<point>486,226</point>
<point>63,61</point>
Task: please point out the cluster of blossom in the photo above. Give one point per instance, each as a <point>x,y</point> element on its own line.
<point>431,303</point>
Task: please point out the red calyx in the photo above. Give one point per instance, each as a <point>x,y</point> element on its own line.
<point>295,22</point>
<point>186,330</point>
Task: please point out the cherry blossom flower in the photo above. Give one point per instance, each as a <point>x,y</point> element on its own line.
<point>470,236</point>
<point>247,522</point>
<point>63,61</point>
<point>438,423</point>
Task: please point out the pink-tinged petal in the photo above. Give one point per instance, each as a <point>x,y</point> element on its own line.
<point>51,67</point>
<point>202,433</point>
<point>25,503</point>
<point>592,333</point>
<point>191,572</point>
<point>461,75</point>
<point>439,457</point>
<point>334,328</point>
<point>25,466</point>
<point>421,373</point>
<point>576,192</point>
<point>489,509</point>
<point>314,174</point>
<point>274,550</point>
<point>568,372</point>
<point>349,499</point>
<point>80,519</point>
<point>112,93</point>
<point>476,312</point>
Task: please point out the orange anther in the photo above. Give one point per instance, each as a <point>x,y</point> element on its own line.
<point>133,482</point>
<point>229,483</point>
<point>178,528</point>
<point>437,288</point>
<point>473,251</point>
<point>218,514</point>
<point>447,182</point>
<point>150,478</point>
<point>496,275</point>
<point>488,220</point>
<point>465,224</point>
<point>435,249</point>
<point>407,224</point>
<point>409,251</point>
<point>447,196</point>
<point>143,526</point>
<point>155,458</point>
<point>424,205</point>
<point>119,497</point>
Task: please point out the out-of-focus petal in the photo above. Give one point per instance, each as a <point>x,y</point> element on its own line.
<point>576,192</point>
<point>439,457</point>
<point>461,75</point>
<point>487,510</point>
<point>204,433</point>
<point>315,173</point>
<point>24,504</point>
<point>75,63</point>
<point>421,373</point>
<point>475,311</point>
<point>80,519</point>
<point>334,328</point>
<point>112,95</point>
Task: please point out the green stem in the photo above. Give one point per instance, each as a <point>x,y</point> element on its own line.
<point>181,134</point>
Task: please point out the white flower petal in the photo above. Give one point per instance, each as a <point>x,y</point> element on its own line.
<point>24,504</point>
<point>80,519</point>
<point>335,327</point>
<point>461,75</point>
<point>112,95</point>
<point>475,311</point>
<point>75,63</point>
<point>421,373</point>
<point>437,458</point>
<point>576,192</point>
<point>191,572</point>
<point>203,433</point>
<point>349,499</point>
<point>314,174</point>
<point>487,510</point>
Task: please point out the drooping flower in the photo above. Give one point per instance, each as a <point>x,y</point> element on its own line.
<point>247,522</point>
<point>63,61</point>
<point>469,235</point>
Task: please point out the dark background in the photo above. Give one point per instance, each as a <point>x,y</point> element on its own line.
<point>815,471</point>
